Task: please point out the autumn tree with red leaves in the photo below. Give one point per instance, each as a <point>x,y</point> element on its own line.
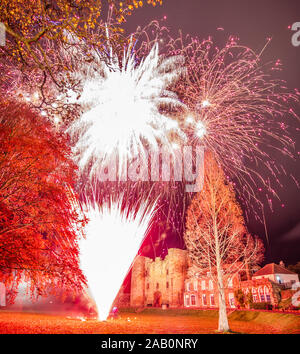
<point>38,243</point>
<point>216,237</point>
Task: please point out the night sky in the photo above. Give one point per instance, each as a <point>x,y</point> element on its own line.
<point>253,22</point>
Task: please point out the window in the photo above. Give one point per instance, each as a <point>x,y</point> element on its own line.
<point>148,286</point>
<point>203,284</point>
<point>157,286</point>
<point>204,302</point>
<point>188,286</point>
<point>195,285</point>
<point>267,294</point>
<point>231,300</point>
<point>261,294</point>
<point>167,285</point>
<point>211,285</point>
<point>255,298</point>
<point>212,300</point>
<point>193,300</point>
<point>187,300</point>
<point>167,271</point>
<point>260,290</point>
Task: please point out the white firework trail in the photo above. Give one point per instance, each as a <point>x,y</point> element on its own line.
<point>113,236</point>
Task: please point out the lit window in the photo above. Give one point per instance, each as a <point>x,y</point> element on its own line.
<point>211,285</point>
<point>188,286</point>
<point>203,284</point>
<point>195,285</point>
<point>231,300</point>
<point>193,300</point>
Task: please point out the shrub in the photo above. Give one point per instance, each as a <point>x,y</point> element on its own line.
<point>261,306</point>
<point>240,298</point>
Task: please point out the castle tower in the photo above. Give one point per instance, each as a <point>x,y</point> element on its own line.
<point>178,262</point>
<point>137,296</point>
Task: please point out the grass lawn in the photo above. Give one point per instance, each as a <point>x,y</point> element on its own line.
<point>150,321</point>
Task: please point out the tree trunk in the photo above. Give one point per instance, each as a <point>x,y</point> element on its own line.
<point>223,319</point>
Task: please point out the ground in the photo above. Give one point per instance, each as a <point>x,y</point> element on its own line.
<point>150,321</point>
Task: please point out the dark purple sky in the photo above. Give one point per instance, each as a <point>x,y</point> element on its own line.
<point>253,22</point>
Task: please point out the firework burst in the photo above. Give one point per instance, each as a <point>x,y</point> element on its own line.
<point>238,112</point>
<point>127,108</point>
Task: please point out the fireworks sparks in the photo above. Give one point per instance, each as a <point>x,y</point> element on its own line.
<point>113,237</point>
<point>126,107</point>
<point>236,111</point>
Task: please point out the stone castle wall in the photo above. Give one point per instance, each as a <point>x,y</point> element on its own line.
<point>160,281</point>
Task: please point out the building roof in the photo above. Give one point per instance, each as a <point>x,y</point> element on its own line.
<point>272,268</point>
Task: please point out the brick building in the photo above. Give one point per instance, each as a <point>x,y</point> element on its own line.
<point>277,274</point>
<point>202,292</point>
<point>165,282</point>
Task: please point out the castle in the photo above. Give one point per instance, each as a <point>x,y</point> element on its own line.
<point>157,282</point>
<point>165,282</point>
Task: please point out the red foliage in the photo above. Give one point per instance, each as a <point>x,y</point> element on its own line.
<point>37,238</point>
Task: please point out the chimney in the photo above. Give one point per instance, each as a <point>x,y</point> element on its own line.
<point>282,264</point>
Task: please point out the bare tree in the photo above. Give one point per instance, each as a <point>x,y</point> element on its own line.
<point>216,237</point>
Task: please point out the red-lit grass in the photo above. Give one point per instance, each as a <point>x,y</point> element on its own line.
<point>150,322</point>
